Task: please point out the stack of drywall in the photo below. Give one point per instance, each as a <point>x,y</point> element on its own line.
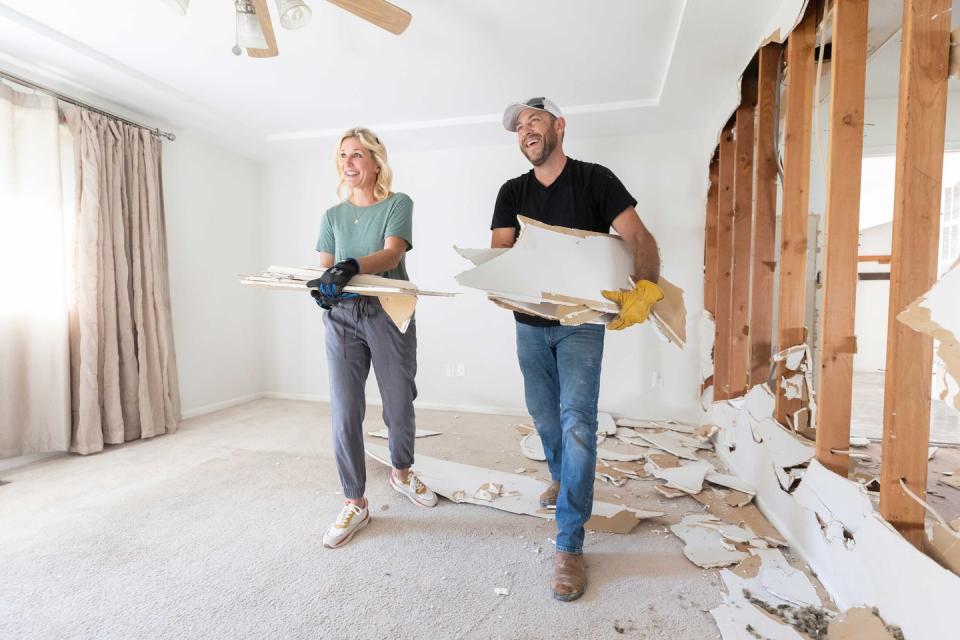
<point>558,273</point>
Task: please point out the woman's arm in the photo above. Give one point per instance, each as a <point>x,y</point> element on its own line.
<point>326,260</point>
<point>386,259</point>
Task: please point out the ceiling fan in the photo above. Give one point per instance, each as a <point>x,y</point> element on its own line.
<point>255,29</point>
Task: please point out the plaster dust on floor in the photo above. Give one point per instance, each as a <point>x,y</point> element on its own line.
<point>215,532</point>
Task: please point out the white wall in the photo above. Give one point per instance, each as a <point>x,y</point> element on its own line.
<point>215,230</point>
<point>454,192</point>
<point>873,301</point>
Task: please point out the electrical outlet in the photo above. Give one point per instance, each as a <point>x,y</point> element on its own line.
<point>656,380</point>
<point>461,370</point>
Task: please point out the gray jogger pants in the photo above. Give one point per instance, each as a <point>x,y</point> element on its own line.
<point>359,332</point>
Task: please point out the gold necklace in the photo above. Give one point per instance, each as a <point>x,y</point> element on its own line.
<point>356,213</point>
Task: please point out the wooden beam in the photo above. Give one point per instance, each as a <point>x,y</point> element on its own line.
<point>921,121</point>
<point>721,345</point>
<point>880,259</point>
<point>739,377</point>
<point>710,238</point>
<point>842,233</point>
<point>796,197</point>
<point>763,262</point>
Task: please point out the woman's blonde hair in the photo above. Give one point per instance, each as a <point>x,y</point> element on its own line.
<point>369,140</point>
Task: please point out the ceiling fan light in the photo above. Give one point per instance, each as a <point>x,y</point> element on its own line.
<point>179,5</point>
<point>249,33</point>
<point>293,13</point>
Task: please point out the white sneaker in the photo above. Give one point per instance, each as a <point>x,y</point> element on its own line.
<point>419,493</point>
<point>352,518</point>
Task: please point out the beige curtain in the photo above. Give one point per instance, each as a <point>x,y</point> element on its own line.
<point>123,369</point>
<point>34,349</point>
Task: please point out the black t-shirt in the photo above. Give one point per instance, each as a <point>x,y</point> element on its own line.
<point>584,196</point>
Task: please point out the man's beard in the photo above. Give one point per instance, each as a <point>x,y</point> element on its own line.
<point>548,143</point>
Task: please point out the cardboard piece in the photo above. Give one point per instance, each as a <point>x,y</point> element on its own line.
<point>567,267</point>
<point>420,433</point>
<point>518,493</point>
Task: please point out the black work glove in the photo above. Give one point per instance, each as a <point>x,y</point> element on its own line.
<point>327,290</point>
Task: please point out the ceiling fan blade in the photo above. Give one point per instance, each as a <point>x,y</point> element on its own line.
<point>263,15</point>
<point>379,12</point>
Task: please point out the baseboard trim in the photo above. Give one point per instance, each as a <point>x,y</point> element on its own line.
<point>218,406</point>
<point>432,406</point>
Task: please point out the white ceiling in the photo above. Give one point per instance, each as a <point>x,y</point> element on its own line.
<point>617,66</point>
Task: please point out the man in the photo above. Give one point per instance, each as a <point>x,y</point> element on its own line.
<point>561,365</point>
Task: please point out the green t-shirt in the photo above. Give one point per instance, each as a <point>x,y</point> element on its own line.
<point>349,231</point>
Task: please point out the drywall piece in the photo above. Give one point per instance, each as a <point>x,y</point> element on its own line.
<point>532,446</point>
<point>747,622</point>
<point>616,456</point>
<point>501,591</point>
<point>705,547</point>
<point>553,311</point>
<point>398,297</point>
<point>663,460</point>
<point>932,451</point>
<point>632,423</point>
<point>738,499</point>
<point>793,387</point>
<point>687,478</point>
<point>782,23</point>
<point>785,582</point>
<point>671,443</point>
<point>624,521</point>
<point>859,623</point>
<point>567,265</point>
<point>951,481</point>
<point>944,545</point>
<point>937,314</point>
<point>605,424</point>
<point>518,493</point>
<point>633,470</point>
<point>731,482</point>
<point>667,492</point>
<point>872,566</point>
<point>846,503</point>
<point>786,449</point>
<point>420,433</point>
<point>859,442</point>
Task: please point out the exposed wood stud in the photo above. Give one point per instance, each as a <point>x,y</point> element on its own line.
<point>921,122</point>
<point>721,346</point>
<point>742,229</point>
<point>763,262</point>
<point>796,196</point>
<point>837,314</point>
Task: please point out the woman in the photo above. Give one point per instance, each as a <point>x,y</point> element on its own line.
<point>369,232</point>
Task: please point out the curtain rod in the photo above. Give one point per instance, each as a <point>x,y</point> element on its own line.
<point>56,94</point>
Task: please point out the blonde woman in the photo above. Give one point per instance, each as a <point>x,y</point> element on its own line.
<point>368,232</point>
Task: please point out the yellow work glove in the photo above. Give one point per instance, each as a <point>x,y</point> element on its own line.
<point>634,305</point>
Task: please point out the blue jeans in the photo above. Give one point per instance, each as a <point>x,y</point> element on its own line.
<point>561,382</point>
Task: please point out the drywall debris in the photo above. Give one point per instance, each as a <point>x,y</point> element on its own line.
<point>524,429</point>
<point>518,493</point>
<point>420,433</point>
<point>667,492</point>
<point>591,262</point>
<point>738,499</point>
<point>705,547</point>
<point>671,443</point>
<point>532,447</point>
<point>605,424</point>
<point>731,482</point>
<point>616,456</point>
<point>859,442</point>
<point>489,492</point>
<point>943,545</point>
<point>398,297</point>
<point>687,478</point>
<point>663,460</point>
<point>501,591</point>
<point>932,451</point>
<point>624,521</point>
<point>520,470</point>
<point>937,314</point>
<point>786,449</point>
<point>708,332</point>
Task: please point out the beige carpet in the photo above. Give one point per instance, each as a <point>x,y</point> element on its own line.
<point>214,532</point>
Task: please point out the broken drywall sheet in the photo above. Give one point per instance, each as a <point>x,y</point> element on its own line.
<point>859,623</point>
<point>943,545</point>
<point>567,266</point>
<point>616,456</point>
<point>671,443</point>
<point>517,493</point>
<point>731,482</point>
<point>871,564</point>
<point>786,449</point>
<point>687,478</point>
<point>531,446</point>
<point>606,424</point>
<point>937,314</point>
<point>420,433</point>
<point>704,546</point>
<point>397,297</point>
<point>708,332</point>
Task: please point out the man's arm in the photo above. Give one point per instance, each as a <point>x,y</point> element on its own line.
<point>643,246</point>
<point>503,238</point>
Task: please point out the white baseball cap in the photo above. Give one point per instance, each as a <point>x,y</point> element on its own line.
<point>512,112</point>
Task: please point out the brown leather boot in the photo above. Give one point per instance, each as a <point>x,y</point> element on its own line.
<point>569,576</point>
<point>549,497</point>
